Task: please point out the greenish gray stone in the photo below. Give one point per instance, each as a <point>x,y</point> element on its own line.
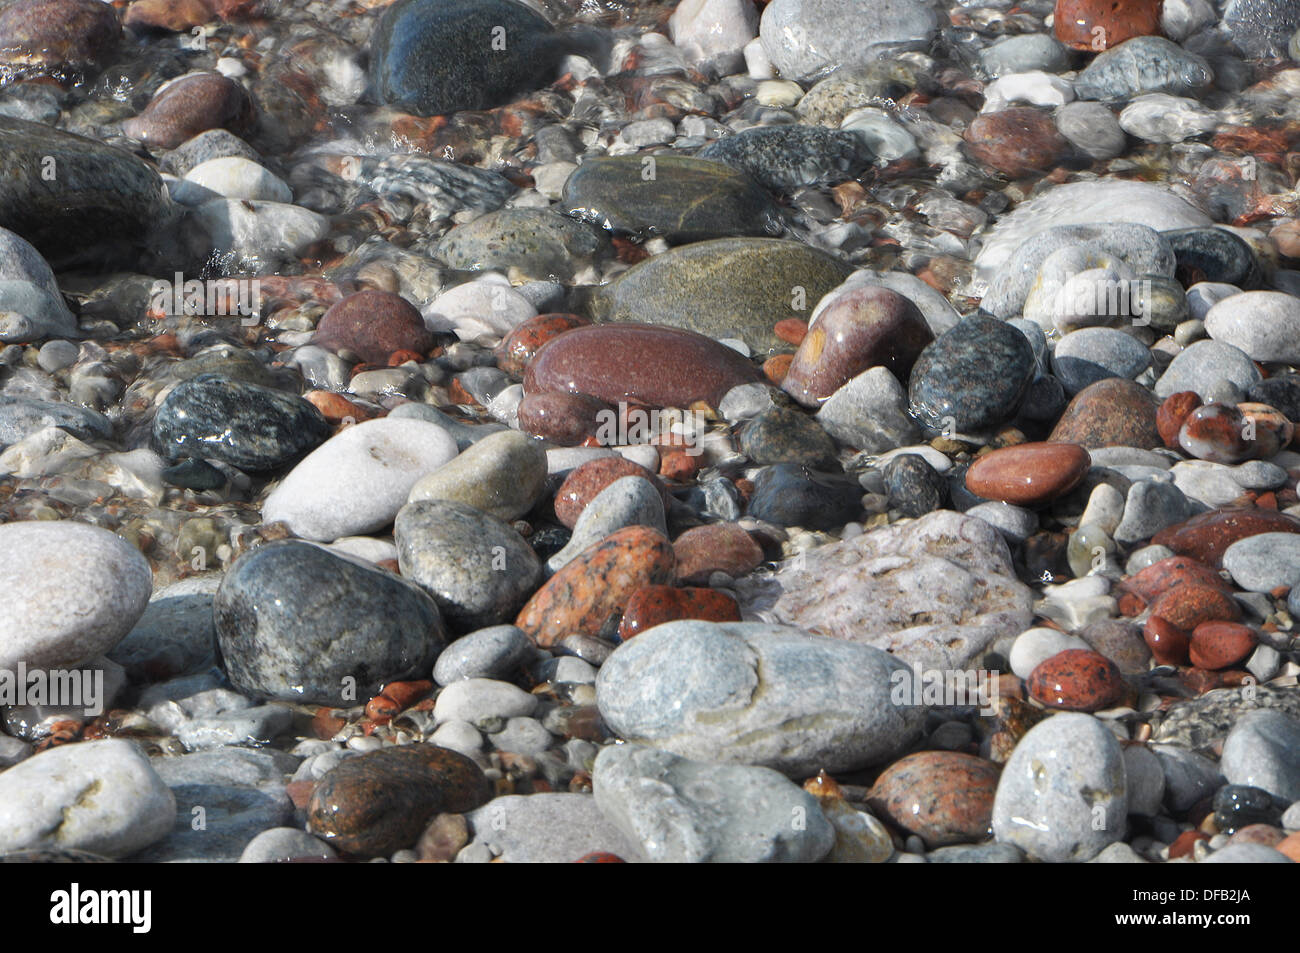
<point>535,242</point>
<point>503,474</point>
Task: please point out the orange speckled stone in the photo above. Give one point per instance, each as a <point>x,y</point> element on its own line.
<point>1217,645</point>
<point>1189,606</point>
<point>518,347</point>
<point>1167,642</point>
<point>943,797</point>
<point>776,368</point>
<point>716,547</point>
<point>1028,474</point>
<point>1098,25</point>
<point>1184,842</point>
<point>655,605</point>
<point>597,585</point>
<point>1172,413</point>
<point>678,465</point>
<point>1076,680</point>
<point>1158,578</point>
<point>585,483</point>
<point>1207,536</point>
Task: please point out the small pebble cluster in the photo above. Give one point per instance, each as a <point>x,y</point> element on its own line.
<point>665,431</point>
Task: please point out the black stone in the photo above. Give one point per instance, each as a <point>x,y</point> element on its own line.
<point>245,425</point>
<point>789,157</point>
<point>785,435</point>
<point>1213,254</point>
<point>194,475</point>
<point>549,540</point>
<point>915,488</point>
<point>1045,399</point>
<point>976,373</point>
<point>295,622</point>
<point>791,495</point>
<point>1281,392</point>
<point>1239,805</point>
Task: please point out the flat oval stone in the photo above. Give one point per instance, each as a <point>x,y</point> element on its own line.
<point>247,426</point>
<point>586,482</point>
<point>677,198</point>
<point>372,325</point>
<point>788,157</point>
<point>1264,562</point>
<point>1216,645</point>
<point>592,590</point>
<point>655,605</point>
<point>1208,536</point>
<point>862,328</point>
<point>296,622</point>
<point>726,288</point>
<point>1262,324</point>
<point>380,802</point>
<point>657,366</point>
<point>1028,474</point>
<point>715,547</point>
<point>943,797</point>
<point>188,105</point>
<point>537,243</point>
<point>972,378</point>
<point>1076,680</point>
<point>1016,141</point>
<point>67,39</point>
<point>518,347</point>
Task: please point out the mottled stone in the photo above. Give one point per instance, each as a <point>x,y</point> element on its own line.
<point>787,435</point>
<point>188,105</point>
<point>1264,562</point>
<point>1208,536</point>
<point>529,242</point>
<point>1144,64</point>
<point>1121,642</point>
<point>1100,24</point>
<point>1016,141</point>
<point>1028,474</point>
<point>1076,680</point>
<point>1217,433</point>
<point>1110,413</point>
<point>655,605</point>
<point>802,37</point>
<point>518,347</point>
<point>587,482</point>
<point>716,547</point>
<point>788,157</point>
<point>943,797</point>
<point>372,325</point>
<point>972,377</point>
<point>1262,28</point>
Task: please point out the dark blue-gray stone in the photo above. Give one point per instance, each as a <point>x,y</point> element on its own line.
<point>1239,805</point>
<point>788,494</point>
<point>245,425</point>
<point>1144,64</point>
<point>1282,392</point>
<point>22,416</point>
<point>786,435</point>
<point>791,157</point>
<point>295,622</point>
<point>976,373</point>
<point>1262,28</point>
<point>1215,254</point>
<point>915,488</point>
<point>194,475</point>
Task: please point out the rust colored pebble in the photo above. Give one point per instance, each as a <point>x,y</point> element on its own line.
<point>188,105</point>
<point>1114,412</point>
<point>1206,537</point>
<point>775,368</point>
<point>299,793</point>
<point>1171,414</point>
<point>372,325</point>
<point>1097,25</point>
<point>1076,680</point>
<point>943,797</point>
<point>1158,578</point>
<point>679,466</point>
<point>336,408</point>
<point>1028,474</point>
<point>1016,141</point>
<point>1167,642</point>
<point>518,347</point>
<point>1188,606</point>
<point>655,605</point>
<point>1184,842</point>
<point>589,592</point>
<point>791,330</point>
<point>1218,645</point>
<point>325,725</point>
<point>600,857</point>
<point>717,547</point>
<point>178,16</point>
<point>585,483</point>
<point>1290,845</point>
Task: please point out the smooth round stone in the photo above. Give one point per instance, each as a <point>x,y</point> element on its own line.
<point>1150,507</point>
<point>1015,523</point>
<point>188,105</point>
<point>478,569</point>
<point>245,425</point>
<point>1018,54</point>
<point>563,418</point>
<point>882,135</point>
<point>656,605</point>
<point>67,39</point>
<point>943,797</point>
<point>677,198</point>
<point>1032,88</point>
<point>280,844</point>
<point>789,494</point>
<point>537,243</point>
<point>1062,796</point>
<point>1203,364</point>
<point>913,486</point>
<point>706,812</point>
<point>584,595</point>
<point>1263,324</point>
<point>1016,141</point>
<point>1158,117</point>
<point>429,57</point>
<point>786,435</point>
<point>232,177</point>
<point>1216,645</point>
<point>1144,557</point>
<point>726,288</point>
<point>68,592</point>
<point>487,307</point>
<point>1095,25</point>
<point>101,797</point>
<point>589,480</point>
<point>212,144</point>
<point>713,31</point>
<point>380,802</point>
<point>1110,413</point>
<point>255,230</point>
<point>1088,355</point>
<point>495,652</point>
<point>715,547</point>
<point>1145,64</point>
<point>372,325</point>
<point>864,327</point>
<point>356,481</point>
<point>972,377</point>
<point>1260,751</point>
<point>298,623</point>
<point>504,474</point>
<point>1029,474</point>
<point>746,692</point>
<point>657,366</point>
<point>1174,410</point>
<point>1035,646</point>
<point>518,347</point>
<point>1217,433</point>
<point>1216,255</point>
<point>1076,680</point>
<point>628,501</point>
<point>1264,562</point>
<point>802,37</point>
<point>174,635</point>
<point>788,157</point>
<point>478,701</point>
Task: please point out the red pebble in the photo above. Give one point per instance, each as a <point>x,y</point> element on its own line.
<point>1167,642</point>
<point>1172,413</point>
<point>1217,645</point>
<point>655,605</point>
<point>1076,680</point>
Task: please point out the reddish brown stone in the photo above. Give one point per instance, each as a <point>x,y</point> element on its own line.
<point>943,797</point>
<point>655,605</point>
<point>1114,412</point>
<point>863,328</point>
<point>776,367</point>
<point>1017,141</point>
<point>678,466</point>
<point>1028,474</point>
<point>1098,25</point>
<point>585,483</point>
<point>716,547</point>
<point>642,363</point>
<point>1290,845</point>
<point>189,105</point>
<point>176,16</point>
<point>1265,834</point>
<point>1188,606</point>
<point>566,419</point>
<point>1172,413</point>
<point>791,330</point>
<point>1076,680</point>
<point>1159,577</point>
<point>1184,842</point>
<point>1207,536</point>
<point>593,589</point>
<point>520,345</point>
<point>1217,433</point>
<point>1218,645</point>
<point>57,36</point>
<point>1167,642</point>
<point>372,325</point>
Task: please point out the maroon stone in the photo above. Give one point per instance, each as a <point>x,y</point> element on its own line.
<point>717,547</point>
<point>372,325</point>
<point>1017,141</point>
<point>521,344</point>
<point>1207,536</point>
<point>189,105</point>
<point>655,605</point>
<point>1076,680</point>
<point>57,36</point>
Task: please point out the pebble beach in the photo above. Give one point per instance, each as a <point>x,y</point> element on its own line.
<point>626,431</point>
